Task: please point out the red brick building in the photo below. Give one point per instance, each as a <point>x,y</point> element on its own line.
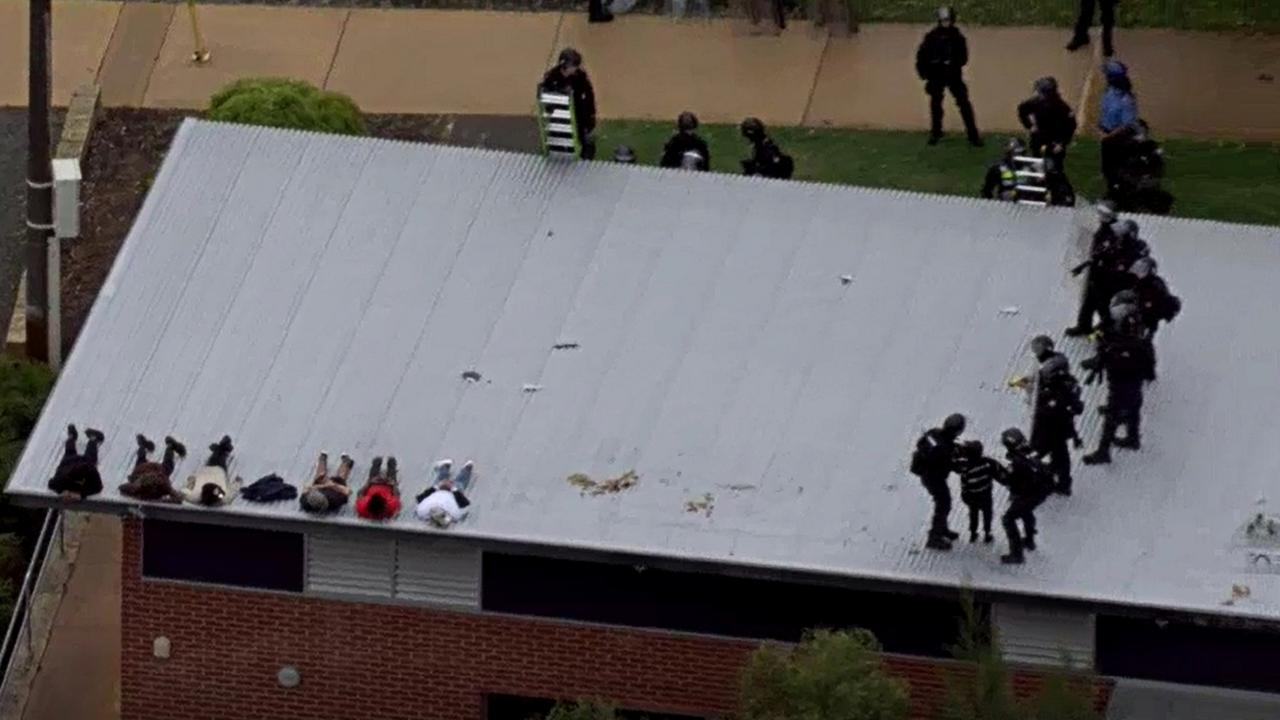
<point>757,356</point>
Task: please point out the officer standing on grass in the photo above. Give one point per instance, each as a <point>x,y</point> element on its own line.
<point>940,62</point>
<point>568,78</point>
<point>1050,121</point>
<point>933,461</point>
<point>1108,20</point>
<point>766,160</point>
<point>686,149</point>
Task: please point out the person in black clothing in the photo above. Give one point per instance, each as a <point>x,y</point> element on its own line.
<point>933,461</point>
<point>568,78</point>
<point>1027,480</point>
<point>77,475</point>
<point>686,149</point>
<point>597,12</point>
<point>977,474</point>
<point>1050,121</point>
<point>1139,170</point>
<point>940,62</point>
<point>150,480</point>
<point>1001,181</point>
<point>1098,283</point>
<point>1127,359</point>
<point>1155,302</point>
<point>1108,20</point>
<point>1053,420</point>
<point>766,159</point>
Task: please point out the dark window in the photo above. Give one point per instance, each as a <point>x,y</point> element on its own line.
<point>515,707</point>
<point>1183,652</point>
<point>243,557</point>
<point>711,603</point>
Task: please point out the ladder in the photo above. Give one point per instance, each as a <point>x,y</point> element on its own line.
<point>1033,185</point>
<point>557,126</point>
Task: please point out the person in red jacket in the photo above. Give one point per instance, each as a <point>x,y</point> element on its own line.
<point>379,499</point>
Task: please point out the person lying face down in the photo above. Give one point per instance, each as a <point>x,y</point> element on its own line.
<point>327,493</point>
<point>209,485</point>
<point>445,502</point>
<point>77,475</point>
<point>379,498</point>
<point>151,480</point>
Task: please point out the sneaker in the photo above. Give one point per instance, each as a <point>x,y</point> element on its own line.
<point>1129,443</point>
<point>94,435</point>
<point>144,443</point>
<point>938,544</point>
<point>1077,42</point>
<point>1012,559</point>
<point>464,475</point>
<point>444,470</point>
<point>1100,457</point>
<point>178,448</point>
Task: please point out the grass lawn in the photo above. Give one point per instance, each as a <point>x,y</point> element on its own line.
<point>1186,14</point>
<point>1228,181</point>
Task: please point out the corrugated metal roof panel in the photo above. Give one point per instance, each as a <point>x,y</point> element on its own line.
<point>438,573</point>
<point>306,292</point>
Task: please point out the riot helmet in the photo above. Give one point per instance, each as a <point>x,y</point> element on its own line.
<point>752,129</point>
<point>946,15</point>
<point>1046,86</point>
<point>1013,438</point>
<point>687,122</point>
<point>1041,345</point>
<point>1143,266</point>
<point>954,424</point>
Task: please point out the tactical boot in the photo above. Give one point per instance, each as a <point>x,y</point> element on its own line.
<point>1098,457</point>
<point>94,435</point>
<point>1128,443</point>
<point>951,536</point>
<point>1077,331</point>
<point>937,543</point>
<point>1077,42</point>
<point>973,537</point>
<point>989,539</point>
<point>1029,543</point>
<point>1012,559</point>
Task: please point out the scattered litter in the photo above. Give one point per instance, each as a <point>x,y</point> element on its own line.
<point>471,375</point>
<point>1010,310</point>
<point>846,279</point>
<point>704,505</point>
<point>565,346</point>
<point>1238,592</point>
<point>531,388</point>
<point>1266,77</point>
<point>613,486</point>
<point>1263,528</point>
<point>738,488</point>
<point>551,233</point>
<point>890,487</point>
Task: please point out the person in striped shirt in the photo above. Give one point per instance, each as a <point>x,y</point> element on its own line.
<point>977,474</point>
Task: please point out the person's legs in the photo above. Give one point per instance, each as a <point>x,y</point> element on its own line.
<point>1010,524</point>
<point>1108,8</point>
<point>170,453</point>
<point>322,468</point>
<point>1060,463</point>
<point>935,90</point>
<point>393,473</point>
<point>344,469</point>
<point>1028,517</point>
<point>463,480</point>
<point>986,518</point>
<point>69,451</point>
<point>375,468</point>
<point>941,495</point>
<point>1085,19</point>
<point>140,456</point>
<point>1089,304</point>
<point>91,448</point>
<point>973,519</point>
<point>960,92</point>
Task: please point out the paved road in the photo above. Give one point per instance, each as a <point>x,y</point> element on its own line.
<point>13,170</point>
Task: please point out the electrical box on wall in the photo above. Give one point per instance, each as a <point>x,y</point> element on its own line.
<point>66,198</point>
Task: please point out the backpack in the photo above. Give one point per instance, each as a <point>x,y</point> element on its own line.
<point>1170,308</point>
<point>784,166</point>
<point>929,457</point>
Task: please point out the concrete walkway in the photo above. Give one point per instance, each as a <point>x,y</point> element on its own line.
<point>645,67</point>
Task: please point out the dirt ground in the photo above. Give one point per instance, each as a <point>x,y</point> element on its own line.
<point>128,145</point>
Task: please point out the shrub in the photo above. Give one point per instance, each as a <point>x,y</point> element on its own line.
<point>828,676</point>
<point>583,710</point>
<point>283,103</point>
<point>23,389</point>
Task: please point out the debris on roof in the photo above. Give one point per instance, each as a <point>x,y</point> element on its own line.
<point>612,486</point>
<point>471,375</point>
<point>565,346</point>
<point>704,504</point>
<point>530,388</point>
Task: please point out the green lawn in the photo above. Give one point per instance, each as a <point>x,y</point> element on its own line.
<point>1262,15</point>
<point>1228,181</point>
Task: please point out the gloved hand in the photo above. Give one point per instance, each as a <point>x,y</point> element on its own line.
<point>1077,442</point>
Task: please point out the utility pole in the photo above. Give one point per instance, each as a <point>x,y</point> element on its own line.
<point>39,183</point>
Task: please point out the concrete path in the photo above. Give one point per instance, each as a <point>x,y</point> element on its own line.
<point>456,62</point>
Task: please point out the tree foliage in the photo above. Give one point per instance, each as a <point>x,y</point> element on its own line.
<point>283,103</point>
<point>828,676</point>
<point>583,710</point>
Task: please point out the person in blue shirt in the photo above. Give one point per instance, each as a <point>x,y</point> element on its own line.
<point>1118,119</point>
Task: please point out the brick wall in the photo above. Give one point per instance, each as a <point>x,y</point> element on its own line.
<point>370,661</point>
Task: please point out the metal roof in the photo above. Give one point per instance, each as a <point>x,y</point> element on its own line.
<point>305,292</point>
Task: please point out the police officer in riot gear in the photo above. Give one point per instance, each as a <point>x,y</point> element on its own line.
<point>1001,182</point>
<point>569,78</point>
<point>1050,121</point>
<point>940,62</point>
<point>1056,403</point>
<point>766,159</point>
<point>1156,303</point>
<point>686,148</point>
<point>1098,283</point>
<point>1126,358</point>
<point>933,461</point>
<point>1108,19</point>
<point>1028,481</point>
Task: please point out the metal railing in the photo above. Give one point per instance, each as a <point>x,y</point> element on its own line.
<point>21,618</point>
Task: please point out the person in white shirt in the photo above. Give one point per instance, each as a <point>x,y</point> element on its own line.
<point>445,502</point>
<point>209,485</point>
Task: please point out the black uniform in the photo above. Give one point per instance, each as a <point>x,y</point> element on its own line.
<point>1155,302</point>
<point>940,62</point>
<point>77,473</point>
<point>935,460</point>
<point>1051,122</point>
<point>1027,480</point>
<point>977,475</point>
<point>681,143</point>
<point>1000,183</point>
<point>1108,20</point>
<point>1139,170</point>
<point>1127,358</point>
<point>768,160</point>
<point>1053,424</point>
<point>578,86</point>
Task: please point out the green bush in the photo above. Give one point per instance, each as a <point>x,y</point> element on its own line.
<point>283,103</point>
<point>583,710</point>
<point>828,676</point>
<point>23,389</point>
